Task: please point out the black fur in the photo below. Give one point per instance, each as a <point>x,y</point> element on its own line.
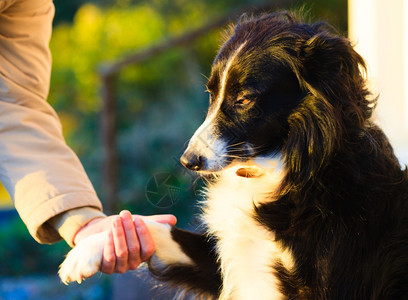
<point>204,278</point>
<point>342,207</point>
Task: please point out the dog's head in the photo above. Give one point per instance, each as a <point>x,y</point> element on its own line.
<point>278,86</point>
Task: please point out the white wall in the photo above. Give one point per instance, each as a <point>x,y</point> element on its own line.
<point>379,28</point>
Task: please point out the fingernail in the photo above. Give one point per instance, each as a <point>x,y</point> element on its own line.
<point>125,213</point>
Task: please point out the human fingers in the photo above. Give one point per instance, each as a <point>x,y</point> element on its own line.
<point>133,245</point>
<point>121,249</point>
<point>109,258</point>
<point>164,219</point>
<point>147,246</point>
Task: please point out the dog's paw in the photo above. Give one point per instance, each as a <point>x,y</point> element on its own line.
<point>84,260</point>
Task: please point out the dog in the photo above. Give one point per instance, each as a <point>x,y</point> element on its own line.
<point>307,199</point>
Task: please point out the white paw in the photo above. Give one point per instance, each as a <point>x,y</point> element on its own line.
<point>84,260</point>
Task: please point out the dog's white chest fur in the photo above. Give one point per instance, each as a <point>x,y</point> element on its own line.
<point>247,250</point>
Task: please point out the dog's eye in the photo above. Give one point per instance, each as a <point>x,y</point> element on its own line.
<point>243,101</point>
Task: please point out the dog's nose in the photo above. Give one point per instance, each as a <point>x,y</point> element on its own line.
<point>192,161</point>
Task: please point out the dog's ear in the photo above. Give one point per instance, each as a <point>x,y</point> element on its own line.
<point>314,133</point>
<point>329,70</point>
<point>328,64</point>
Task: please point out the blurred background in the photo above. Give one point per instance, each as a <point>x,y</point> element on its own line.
<point>128,84</point>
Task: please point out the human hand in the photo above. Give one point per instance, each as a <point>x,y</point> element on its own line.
<point>128,242</point>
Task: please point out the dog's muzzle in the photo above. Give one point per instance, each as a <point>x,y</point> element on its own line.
<point>192,161</point>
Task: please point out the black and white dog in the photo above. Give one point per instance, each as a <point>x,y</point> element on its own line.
<point>308,199</point>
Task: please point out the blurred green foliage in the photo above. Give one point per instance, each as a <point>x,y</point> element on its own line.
<point>20,254</point>
<point>160,102</point>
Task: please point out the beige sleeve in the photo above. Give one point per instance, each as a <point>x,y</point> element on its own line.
<point>40,172</point>
<point>69,222</point>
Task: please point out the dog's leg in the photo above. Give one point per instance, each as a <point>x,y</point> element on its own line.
<point>181,257</point>
<point>200,274</point>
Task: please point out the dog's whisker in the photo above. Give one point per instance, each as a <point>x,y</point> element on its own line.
<point>236,144</point>
<point>235,150</point>
<point>205,76</point>
<point>231,156</point>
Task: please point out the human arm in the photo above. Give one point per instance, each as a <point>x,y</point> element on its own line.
<point>41,173</point>
<point>43,176</point>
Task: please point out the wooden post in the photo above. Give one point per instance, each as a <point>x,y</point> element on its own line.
<point>108,136</point>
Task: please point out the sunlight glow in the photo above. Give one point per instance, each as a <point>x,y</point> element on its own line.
<point>405,59</point>
<point>379,28</point>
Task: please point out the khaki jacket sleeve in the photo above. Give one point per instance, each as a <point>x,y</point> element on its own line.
<point>40,172</point>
